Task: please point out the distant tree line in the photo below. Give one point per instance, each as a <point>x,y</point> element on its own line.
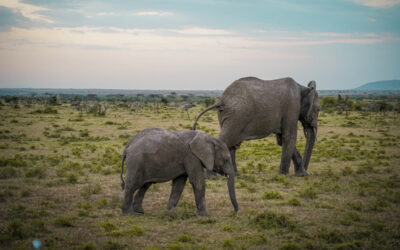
<point>347,104</point>
<point>98,105</point>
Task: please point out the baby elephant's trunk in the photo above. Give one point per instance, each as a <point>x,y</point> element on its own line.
<point>231,189</point>
<point>122,170</point>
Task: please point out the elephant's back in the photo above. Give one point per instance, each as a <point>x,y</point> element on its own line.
<point>154,141</point>
<point>253,86</point>
<point>156,155</point>
<point>254,107</point>
<point>251,90</point>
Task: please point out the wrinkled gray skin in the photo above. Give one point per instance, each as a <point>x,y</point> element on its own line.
<point>156,155</point>
<point>251,108</point>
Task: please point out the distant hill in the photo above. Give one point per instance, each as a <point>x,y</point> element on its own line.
<point>381,85</point>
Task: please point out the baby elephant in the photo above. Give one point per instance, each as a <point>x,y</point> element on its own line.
<point>156,155</point>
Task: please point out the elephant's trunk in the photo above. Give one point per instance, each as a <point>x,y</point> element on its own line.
<point>311,134</point>
<point>231,188</point>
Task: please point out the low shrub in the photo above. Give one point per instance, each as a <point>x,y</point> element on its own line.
<point>64,221</point>
<point>270,220</point>
<point>272,195</point>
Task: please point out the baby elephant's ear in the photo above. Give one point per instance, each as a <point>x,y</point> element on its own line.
<point>203,148</point>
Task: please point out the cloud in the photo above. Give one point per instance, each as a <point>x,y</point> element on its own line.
<point>286,38</point>
<point>142,13</point>
<point>153,13</point>
<point>202,31</point>
<point>26,10</point>
<point>185,40</point>
<point>378,3</point>
<point>107,14</point>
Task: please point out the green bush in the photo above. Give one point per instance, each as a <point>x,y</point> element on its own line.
<point>84,133</point>
<point>17,230</point>
<point>309,193</point>
<point>64,221</point>
<point>289,246</point>
<point>9,172</point>
<point>347,171</point>
<point>135,231</point>
<point>38,172</point>
<point>228,228</point>
<point>87,246</point>
<point>228,243</point>
<point>272,195</point>
<point>102,203</point>
<point>91,189</point>
<point>175,246</point>
<point>108,226</point>
<point>113,245</point>
<point>5,194</point>
<point>294,201</point>
<point>46,110</point>
<point>270,220</point>
<point>72,178</point>
<point>331,236</point>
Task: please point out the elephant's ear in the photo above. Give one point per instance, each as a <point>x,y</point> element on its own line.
<point>203,148</point>
<point>311,96</point>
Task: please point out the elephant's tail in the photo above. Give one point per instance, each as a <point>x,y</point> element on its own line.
<point>122,170</point>
<point>204,111</point>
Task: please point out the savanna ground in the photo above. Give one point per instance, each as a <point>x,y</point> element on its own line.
<point>59,183</point>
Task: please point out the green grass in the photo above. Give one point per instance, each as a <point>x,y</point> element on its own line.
<point>59,182</point>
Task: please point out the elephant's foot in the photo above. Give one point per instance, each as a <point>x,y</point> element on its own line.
<point>132,211</point>
<point>172,205</point>
<point>301,173</point>
<point>283,171</point>
<point>202,213</point>
<point>170,208</point>
<point>127,210</point>
<point>138,210</point>
<point>137,213</point>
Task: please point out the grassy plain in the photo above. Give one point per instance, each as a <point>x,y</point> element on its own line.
<point>59,183</point>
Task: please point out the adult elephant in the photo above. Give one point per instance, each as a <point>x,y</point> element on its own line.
<point>251,108</point>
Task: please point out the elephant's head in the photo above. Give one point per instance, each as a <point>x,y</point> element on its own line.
<point>215,156</point>
<point>309,119</point>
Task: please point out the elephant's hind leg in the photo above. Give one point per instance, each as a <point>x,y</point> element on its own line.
<point>137,201</point>
<point>127,205</point>
<point>178,184</point>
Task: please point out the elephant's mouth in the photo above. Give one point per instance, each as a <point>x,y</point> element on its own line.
<point>220,172</point>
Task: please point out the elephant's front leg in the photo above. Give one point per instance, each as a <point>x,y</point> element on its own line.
<point>296,157</point>
<point>288,147</point>
<point>233,157</point>
<point>194,170</point>
<point>298,166</point>
<point>199,189</point>
<point>137,201</point>
<point>178,184</point>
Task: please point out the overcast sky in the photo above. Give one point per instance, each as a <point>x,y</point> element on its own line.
<point>197,44</point>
